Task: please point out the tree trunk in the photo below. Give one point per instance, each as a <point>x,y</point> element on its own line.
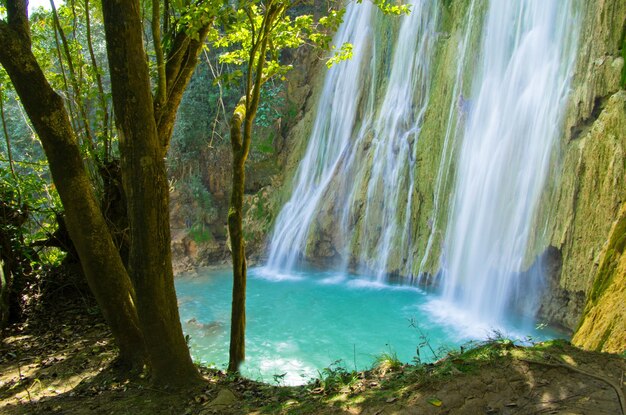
<point>237,352</point>
<point>181,64</point>
<point>243,116</point>
<point>103,267</point>
<point>147,192</point>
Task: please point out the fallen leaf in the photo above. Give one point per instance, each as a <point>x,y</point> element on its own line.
<point>435,402</point>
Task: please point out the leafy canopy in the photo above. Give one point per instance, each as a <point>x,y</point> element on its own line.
<point>243,26</point>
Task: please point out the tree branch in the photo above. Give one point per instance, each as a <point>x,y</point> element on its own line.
<point>161,91</point>
<point>74,79</point>
<point>181,64</point>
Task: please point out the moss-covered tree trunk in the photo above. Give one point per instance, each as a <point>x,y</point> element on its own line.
<point>103,267</point>
<point>238,249</point>
<point>147,192</point>
<point>241,138</point>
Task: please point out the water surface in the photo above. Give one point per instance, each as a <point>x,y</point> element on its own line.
<point>302,322</point>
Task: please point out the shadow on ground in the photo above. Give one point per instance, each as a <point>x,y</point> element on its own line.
<point>67,366</point>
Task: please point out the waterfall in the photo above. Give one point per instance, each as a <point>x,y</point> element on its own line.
<point>391,178</point>
<point>519,95</point>
<point>329,141</point>
<point>365,166</point>
<point>355,190</point>
<point>455,116</point>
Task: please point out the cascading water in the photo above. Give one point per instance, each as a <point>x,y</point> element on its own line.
<point>455,116</point>
<point>391,179</point>
<point>368,163</point>
<point>520,91</point>
<point>330,138</point>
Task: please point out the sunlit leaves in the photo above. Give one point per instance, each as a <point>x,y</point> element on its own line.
<point>333,19</point>
<point>390,7</point>
<point>244,28</point>
<point>243,25</point>
<point>195,15</point>
<point>341,54</point>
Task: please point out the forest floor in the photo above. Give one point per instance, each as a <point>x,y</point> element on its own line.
<point>61,361</point>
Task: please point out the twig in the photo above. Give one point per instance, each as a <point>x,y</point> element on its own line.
<point>19,372</point>
<point>617,388</point>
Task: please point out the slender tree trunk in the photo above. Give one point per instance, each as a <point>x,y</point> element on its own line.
<point>70,102</point>
<point>147,192</point>
<point>166,16</point>
<point>101,262</point>
<point>75,84</point>
<point>9,150</point>
<point>237,352</point>
<point>101,95</point>
<point>161,90</point>
<point>242,119</point>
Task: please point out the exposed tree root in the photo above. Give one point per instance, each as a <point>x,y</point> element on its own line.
<point>616,387</point>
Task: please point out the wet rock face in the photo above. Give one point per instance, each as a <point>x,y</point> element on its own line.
<point>588,184</point>
<point>557,306</point>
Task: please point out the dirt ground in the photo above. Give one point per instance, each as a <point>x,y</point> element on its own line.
<point>63,362</point>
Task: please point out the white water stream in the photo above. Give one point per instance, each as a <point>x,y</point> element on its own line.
<point>391,178</point>
<point>330,138</point>
<point>519,95</point>
<point>365,164</point>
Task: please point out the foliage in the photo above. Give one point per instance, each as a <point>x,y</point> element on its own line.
<point>271,100</point>
<point>25,185</point>
<point>336,376</point>
<point>391,7</point>
<point>288,32</point>
<point>202,122</point>
<point>77,75</point>
<point>200,234</point>
<point>199,203</point>
<point>387,361</point>
<point>33,196</point>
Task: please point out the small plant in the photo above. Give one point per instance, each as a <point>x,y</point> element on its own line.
<point>336,376</point>
<point>424,343</point>
<point>279,379</point>
<point>387,361</point>
<point>499,340</point>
